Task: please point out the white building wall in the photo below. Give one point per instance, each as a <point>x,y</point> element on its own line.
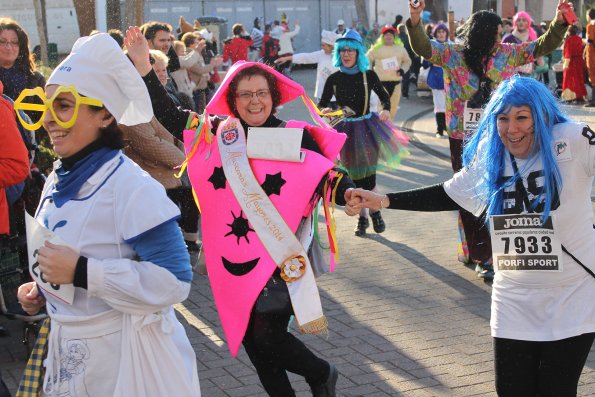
<point>62,23</point>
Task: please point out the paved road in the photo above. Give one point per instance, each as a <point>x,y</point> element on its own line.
<point>406,319</point>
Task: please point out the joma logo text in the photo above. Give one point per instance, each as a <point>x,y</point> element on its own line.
<point>522,222</point>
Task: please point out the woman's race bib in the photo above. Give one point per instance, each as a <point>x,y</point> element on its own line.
<point>525,243</point>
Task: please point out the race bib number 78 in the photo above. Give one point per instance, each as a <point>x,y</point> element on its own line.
<point>471,117</point>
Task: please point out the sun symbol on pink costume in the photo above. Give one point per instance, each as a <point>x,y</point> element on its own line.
<point>239,227</point>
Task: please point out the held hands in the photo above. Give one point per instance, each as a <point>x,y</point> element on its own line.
<point>138,50</point>
<point>359,198</point>
<point>57,263</point>
<point>384,115</point>
<point>351,202</point>
<point>30,299</point>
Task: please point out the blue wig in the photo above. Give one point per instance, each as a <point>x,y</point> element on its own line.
<point>518,91</point>
<point>362,59</point>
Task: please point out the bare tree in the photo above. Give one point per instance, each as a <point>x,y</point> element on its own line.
<point>42,30</point>
<point>134,12</point>
<point>112,10</point>
<point>85,14</point>
<point>362,12</point>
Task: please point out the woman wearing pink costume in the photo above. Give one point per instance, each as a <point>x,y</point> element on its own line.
<point>249,203</point>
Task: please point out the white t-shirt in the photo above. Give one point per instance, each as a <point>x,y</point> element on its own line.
<point>545,305</point>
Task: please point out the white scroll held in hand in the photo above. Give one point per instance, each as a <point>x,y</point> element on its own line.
<point>36,237</point>
<point>282,144</point>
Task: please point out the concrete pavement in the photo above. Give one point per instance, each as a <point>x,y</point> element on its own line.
<point>405,317</point>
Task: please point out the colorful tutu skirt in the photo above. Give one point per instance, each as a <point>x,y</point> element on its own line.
<point>371,145</point>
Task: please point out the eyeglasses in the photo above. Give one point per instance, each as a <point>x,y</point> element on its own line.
<point>248,95</point>
<point>347,50</point>
<point>7,44</point>
<point>28,98</point>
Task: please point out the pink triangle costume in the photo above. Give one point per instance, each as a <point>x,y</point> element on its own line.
<point>238,262</point>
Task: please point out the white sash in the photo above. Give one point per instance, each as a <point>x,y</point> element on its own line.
<point>278,239</point>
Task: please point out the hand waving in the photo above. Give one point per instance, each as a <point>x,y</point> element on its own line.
<point>137,48</point>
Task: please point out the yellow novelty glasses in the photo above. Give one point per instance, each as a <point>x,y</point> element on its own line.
<point>27,101</point>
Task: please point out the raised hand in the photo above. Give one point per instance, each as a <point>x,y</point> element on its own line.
<point>415,12</point>
<point>216,61</point>
<point>561,10</point>
<point>137,49</point>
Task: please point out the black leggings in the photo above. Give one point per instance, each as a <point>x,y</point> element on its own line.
<point>273,350</point>
<point>540,369</point>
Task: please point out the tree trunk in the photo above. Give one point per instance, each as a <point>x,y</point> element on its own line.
<point>362,13</point>
<point>42,30</point>
<point>85,14</point>
<point>534,8</point>
<point>135,12</point>
<point>112,10</point>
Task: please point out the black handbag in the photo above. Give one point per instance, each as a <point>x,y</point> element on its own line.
<point>274,298</point>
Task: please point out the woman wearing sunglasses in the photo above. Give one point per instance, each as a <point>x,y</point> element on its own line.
<point>123,253</point>
<point>373,143</point>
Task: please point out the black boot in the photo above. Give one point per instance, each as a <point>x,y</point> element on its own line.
<point>327,389</point>
<point>440,124</point>
<point>377,222</point>
<point>362,225</point>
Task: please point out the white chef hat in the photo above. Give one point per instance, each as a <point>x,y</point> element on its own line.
<point>328,37</point>
<point>98,68</point>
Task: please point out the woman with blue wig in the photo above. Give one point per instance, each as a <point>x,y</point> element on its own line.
<point>373,143</point>
<point>528,171</point>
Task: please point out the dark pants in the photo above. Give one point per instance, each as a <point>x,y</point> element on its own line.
<point>440,123</point>
<point>476,233</point>
<point>405,84</point>
<point>273,350</point>
<point>540,369</point>
<point>4,392</point>
<point>182,197</point>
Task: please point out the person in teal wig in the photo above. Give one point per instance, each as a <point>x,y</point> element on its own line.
<point>373,143</point>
